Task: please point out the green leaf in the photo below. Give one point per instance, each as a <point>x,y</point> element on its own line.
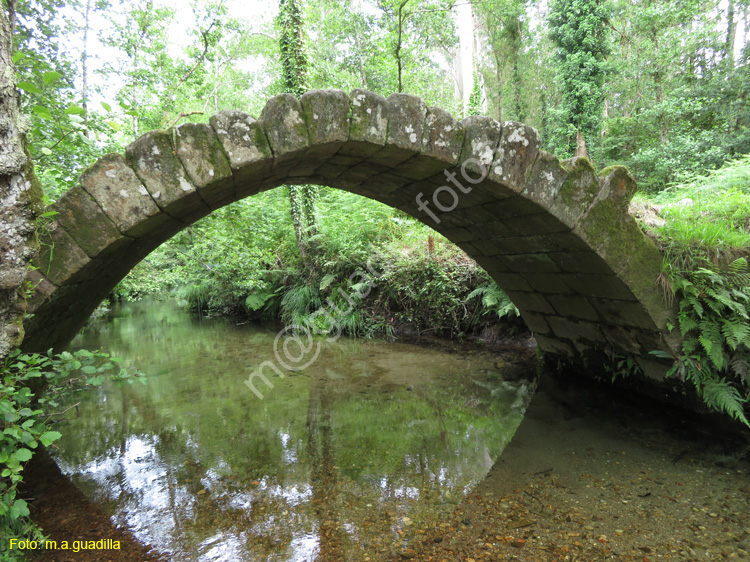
<point>106,106</point>
<point>327,280</point>
<point>74,109</point>
<point>50,77</point>
<point>41,111</point>
<point>23,455</point>
<point>10,417</point>
<point>19,509</point>
<point>48,437</point>
<point>28,87</point>
<point>88,369</point>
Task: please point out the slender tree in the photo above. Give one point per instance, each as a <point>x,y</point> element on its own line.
<point>294,64</point>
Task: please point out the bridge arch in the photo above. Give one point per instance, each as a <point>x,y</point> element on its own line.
<point>555,236</point>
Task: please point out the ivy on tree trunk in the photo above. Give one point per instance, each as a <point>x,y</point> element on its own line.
<point>294,64</point>
<point>578,29</point>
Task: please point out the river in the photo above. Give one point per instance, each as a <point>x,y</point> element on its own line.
<point>359,452</point>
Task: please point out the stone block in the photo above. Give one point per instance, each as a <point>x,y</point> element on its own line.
<point>326,114</point>
<point>122,196</point>
<point>491,264</point>
<point>456,235</point>
<point>549,283</point>
<point>154,161</point>
<point>531,263</point>
<point>608,287</point>
<point>536,323</point>
<point>623,313</point>
<point>203,158</point>
<point>510,281</point>
<point>406,118</point>
<point>515,155</point>
<point>368,126</point>
<point>85,221</point>
<point>481,137</point>
<point>443,137</point>
<point>554,346</point>
<point>286,129</point>
<point>531,302</point>
<point>60,259</point>
<point>576,195</point>
<point>513,206</point>
<point>575,330</point>
<point>574,306</point>
<point>542,223</point>
<point>42,289</point>
<point>581,262</point>
<point>244,141</point>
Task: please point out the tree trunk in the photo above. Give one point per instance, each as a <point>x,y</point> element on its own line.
<point>84,66</point>
<point>20,194</point>
<point>581,145</point>
<point>731,33</point>
<point>499,75</point>
<point>302,198</point>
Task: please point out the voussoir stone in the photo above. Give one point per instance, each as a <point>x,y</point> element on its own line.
<point>443,136</point>
<point>245,142</point>
<point>121,195</point>
<point>284,123</point>
<point>154,161</point>
<point>515,155</point>
<point>481,138</point>
<point>406,115</point>
<point>86,222</point>
<point>203,158</point>
<point>368,124</point>
<point>326,114</point>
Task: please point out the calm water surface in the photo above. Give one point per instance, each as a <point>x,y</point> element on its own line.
<point>355,453</point>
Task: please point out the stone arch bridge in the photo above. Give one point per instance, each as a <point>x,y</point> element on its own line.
<point>555,236</point>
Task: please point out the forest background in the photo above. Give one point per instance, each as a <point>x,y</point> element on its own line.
<point>660,87</point>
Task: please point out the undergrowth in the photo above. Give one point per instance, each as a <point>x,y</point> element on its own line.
<point>26,421</point>
<point>705,241</point>
<point>243,260</point>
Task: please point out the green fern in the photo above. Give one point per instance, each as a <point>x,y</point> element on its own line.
<point>713,318</point>
<point>495,300</point>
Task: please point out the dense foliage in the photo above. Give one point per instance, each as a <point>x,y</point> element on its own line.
<point>714,321</point>
<point>243,259</point>
<point>579,32</point>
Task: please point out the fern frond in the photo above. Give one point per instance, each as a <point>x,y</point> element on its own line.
<point>721,396</point>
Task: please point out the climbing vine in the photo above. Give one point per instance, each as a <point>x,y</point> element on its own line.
<point>294,64</point>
